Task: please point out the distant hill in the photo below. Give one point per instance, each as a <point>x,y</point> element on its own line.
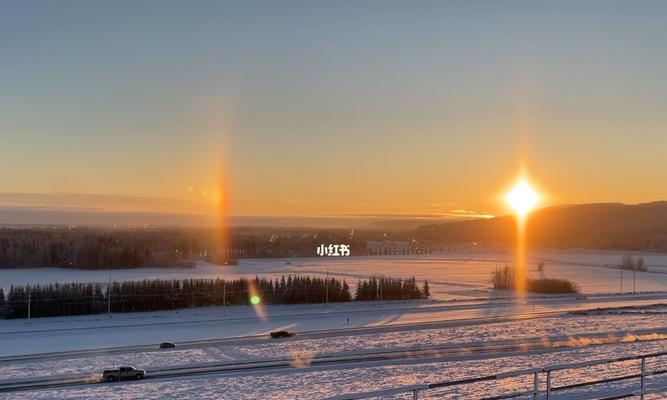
<point>601,226</point>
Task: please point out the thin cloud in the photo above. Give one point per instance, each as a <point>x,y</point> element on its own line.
<point>471,214</point>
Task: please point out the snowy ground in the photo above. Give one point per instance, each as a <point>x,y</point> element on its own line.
<point>465,315</point>
<point>456,274</point>
<point>582,331</point>
<point>315,383</point>
<point>58,334</point>
<point>575,329</point>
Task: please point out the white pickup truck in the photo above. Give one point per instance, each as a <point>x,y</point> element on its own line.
<point>123,373</point>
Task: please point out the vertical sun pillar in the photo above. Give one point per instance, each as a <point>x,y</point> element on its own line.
<point>522,199</point>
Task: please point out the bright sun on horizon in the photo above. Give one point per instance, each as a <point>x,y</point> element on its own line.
<point>522,198</point>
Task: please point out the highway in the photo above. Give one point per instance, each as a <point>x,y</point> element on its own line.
<point>263,338</point>
<point>414,317</point>
<point>440,353</point>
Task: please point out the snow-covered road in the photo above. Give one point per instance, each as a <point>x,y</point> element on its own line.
<point>315,382</point>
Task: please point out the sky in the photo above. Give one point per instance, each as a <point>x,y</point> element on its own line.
<point>313,108</point>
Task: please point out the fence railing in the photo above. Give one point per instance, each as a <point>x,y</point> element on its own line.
<point>536,392</point>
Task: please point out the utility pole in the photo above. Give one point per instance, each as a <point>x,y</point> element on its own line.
<point>621,280</point>
<point>28,302</point>
<point>326,288</point>
<point>495,290</point>
<point>224,297</point>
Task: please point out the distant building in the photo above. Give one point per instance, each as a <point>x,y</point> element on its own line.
<point>393,247</point>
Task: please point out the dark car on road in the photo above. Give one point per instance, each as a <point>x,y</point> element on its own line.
<point>167,345</point>
<point>123,373</point>
<point>281,334</point>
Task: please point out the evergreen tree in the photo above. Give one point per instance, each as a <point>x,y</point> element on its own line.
<point>155,294</point>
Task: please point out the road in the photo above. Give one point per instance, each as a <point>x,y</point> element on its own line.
<point>263,338</point>
<point>436,353</point>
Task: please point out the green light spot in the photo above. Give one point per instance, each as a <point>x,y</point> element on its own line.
<point>255,300</point>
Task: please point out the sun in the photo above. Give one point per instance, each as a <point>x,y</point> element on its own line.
<point>522,198</point>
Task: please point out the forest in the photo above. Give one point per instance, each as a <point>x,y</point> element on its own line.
<point>107,248</point>
<point>62,299</point>
<point>391,289</point>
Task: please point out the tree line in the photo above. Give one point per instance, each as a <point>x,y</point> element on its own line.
<point>391,289</point>
<point>96,249</point>
<point>634,263</point>
<point>106,248</point>
<point>506,279</point>
<point>62,299</point>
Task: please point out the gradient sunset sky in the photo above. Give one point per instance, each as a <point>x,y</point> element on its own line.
<point>330,108</point>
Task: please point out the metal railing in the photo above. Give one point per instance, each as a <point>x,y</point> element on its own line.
<point>536,392</point>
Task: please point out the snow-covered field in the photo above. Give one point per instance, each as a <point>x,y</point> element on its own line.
<point>465,317</point>
<point>455,274</point>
